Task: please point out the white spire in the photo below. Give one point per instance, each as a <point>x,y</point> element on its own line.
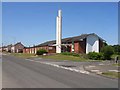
<point>58,31</point>
<point>60,13</point>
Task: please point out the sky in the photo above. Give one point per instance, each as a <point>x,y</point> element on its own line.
<point>33,23</point>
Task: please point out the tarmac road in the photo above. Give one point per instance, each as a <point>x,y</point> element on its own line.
<point>21,73</point>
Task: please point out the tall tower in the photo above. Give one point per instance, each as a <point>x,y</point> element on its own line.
<point>58,31</point>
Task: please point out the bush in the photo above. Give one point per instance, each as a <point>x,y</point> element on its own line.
<point>9,51</point>
<point>70,54</point>
<point>95,56</point>
<point>116,49</point>
<point>84,56</point>
<point>107,52</point>
<point>41,52</point>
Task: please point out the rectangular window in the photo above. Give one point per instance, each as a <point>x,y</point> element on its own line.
<point>50,48</point>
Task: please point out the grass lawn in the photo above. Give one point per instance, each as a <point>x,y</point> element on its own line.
<point>112,74</point>
<point>64,57</point>
<point>114,55</point>
<point>55,57</point>
<point>23,55</point>
<point>117,64</point>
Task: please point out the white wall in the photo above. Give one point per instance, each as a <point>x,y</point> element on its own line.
<point>92,44</point>
<point>35,50</point>
<point>13,49</point>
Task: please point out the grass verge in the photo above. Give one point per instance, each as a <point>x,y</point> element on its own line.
<point>112,74</point>
<point>117,64</point>
<point>23,55</point>
<point>55,57</point>
<point>65,57</point>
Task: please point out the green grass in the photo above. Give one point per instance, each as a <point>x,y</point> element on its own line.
<point>112,74</point>
<point>64,57</point>
<point>23,55</point>
<point>114,55</point>
<point>55,57</point>
<point>117,64</point>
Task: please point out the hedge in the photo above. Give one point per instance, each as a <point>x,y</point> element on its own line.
<point>95,56</point>
<point>41,51</point>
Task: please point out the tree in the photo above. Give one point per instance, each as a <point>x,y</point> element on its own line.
<point>116,49</point>
<point>107,52</point>
<point>105,44</point>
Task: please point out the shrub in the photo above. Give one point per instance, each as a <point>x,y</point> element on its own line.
<point>84,56</point>
<point>70,54</point>
<point>107,52</point>
<point>116,49</point>
<point>41,52</point>
<point>95,56</point>
<point>119,57</point>
<point>9,51</point>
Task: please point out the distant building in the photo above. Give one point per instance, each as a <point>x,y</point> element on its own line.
<point>17,48</point>
<point>9,48</point>
<point>0,49</point>
<point>84,43</point>
<point>4,48</point>
<point>30,50</point>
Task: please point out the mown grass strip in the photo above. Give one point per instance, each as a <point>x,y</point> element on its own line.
<point>23,55</point>
<point>55,57</point>
<point>112,74</point>
<point>116,64</point>
<point>65,57</point>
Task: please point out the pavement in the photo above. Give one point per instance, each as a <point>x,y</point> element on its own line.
<point>44,73</point>
<point>101,67</point>
<point>95,67</point>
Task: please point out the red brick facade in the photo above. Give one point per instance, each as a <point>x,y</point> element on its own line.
<point>79,47</point>
<point>76,47</point>
<point>101,44</point>
<point>80,44</point>
<point>33,50</point>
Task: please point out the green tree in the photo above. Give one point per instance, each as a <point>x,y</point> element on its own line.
<point>116,49</point>
<point>105,44</point>
<point>107,52</point>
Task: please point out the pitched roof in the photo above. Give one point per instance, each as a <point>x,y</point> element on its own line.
<point>70,39</point>
<point>9,45</point>
<point>4,46</point>
<point>18,44</point>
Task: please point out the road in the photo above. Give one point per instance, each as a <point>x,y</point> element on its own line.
<point>21,73</point>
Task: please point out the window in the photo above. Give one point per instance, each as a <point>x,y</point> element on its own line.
<point>50,48</point>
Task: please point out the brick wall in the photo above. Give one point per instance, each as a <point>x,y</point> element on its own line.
<point>26,50</point>
<point>51,49</point>
<point>82,46</point>
<point>19,47</point>
<point>76,47</point>
<point>100,44</point>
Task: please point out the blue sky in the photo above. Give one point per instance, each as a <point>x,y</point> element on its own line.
<point>34,23</point>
